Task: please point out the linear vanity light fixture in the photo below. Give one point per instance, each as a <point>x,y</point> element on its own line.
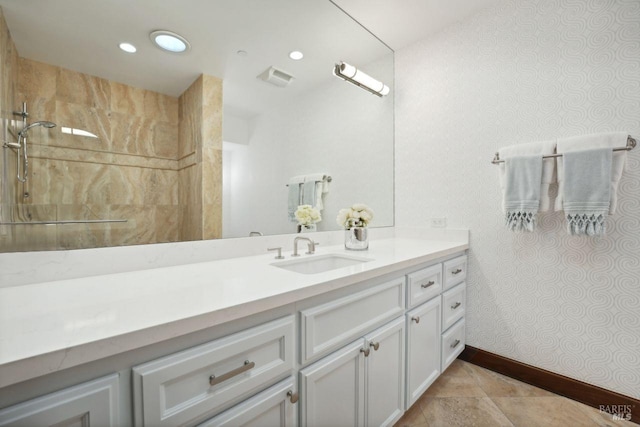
<point>351,74</point>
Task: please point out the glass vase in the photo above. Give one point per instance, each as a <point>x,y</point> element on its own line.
<point>356,239</point>
<point>307,228</point>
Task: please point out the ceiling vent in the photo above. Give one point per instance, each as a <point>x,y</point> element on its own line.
<point>276,77</point>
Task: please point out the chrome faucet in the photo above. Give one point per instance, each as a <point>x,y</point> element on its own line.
<point>311,246</point>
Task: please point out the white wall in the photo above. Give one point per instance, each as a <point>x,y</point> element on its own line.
<point>520,72</point>
<point>338,129</point>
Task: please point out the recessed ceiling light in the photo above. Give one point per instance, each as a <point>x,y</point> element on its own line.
<point>169,41</point>
<point>296,55</point>
<point>128,47</point>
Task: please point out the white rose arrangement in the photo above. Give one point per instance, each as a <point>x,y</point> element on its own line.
<point>307,215</point>
<point>358,215</point>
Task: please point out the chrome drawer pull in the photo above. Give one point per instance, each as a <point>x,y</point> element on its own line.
<point>365,351</point>
<point>293,397</point>
<point>416,319</point>
<point>456,305</point>
<point>375,345</point>
<point>426,285</point>
<point>455,344</point>
<point>213,380</point>
<point>456,271</point>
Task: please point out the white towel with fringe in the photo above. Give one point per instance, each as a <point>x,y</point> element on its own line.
<point>548,177</point>
<point>609,140</point>
<point>586,190</point>
<point>522,192</point>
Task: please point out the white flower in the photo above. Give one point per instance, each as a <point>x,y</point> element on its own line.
<point>307,215</point>
<point>358,215</point>
<point>343,216</point>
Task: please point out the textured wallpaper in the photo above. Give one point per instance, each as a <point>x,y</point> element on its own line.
<point>520,72</point>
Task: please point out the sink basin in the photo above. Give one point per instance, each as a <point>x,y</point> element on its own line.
<point>320,263</point>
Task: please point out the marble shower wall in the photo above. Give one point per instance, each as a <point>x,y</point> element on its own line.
<point>8,103</point>
<point>130,171</point>
<point>200,153</point>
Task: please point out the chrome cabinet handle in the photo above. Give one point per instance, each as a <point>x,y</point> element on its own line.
<point>213,380</point>
<point>426,285</point>
<point>456,305</point>
<point>293,397</point>
<point>365,351</point>
<point>456,271</point>
<point>455,343</point>
<point>416,319</point>
<point>375,345</point>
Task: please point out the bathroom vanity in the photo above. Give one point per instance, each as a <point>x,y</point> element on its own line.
<point>242,341</point>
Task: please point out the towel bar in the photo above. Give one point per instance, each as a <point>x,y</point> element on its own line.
<point>325,178</point>
<point>631,144</point>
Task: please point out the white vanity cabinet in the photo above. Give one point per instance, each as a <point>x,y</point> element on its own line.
<point>91,404</point>
<point>423,348</point>
<point>354,353</point>
<point>360,384</point>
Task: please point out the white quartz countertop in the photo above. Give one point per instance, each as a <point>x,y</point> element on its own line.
<point>51,326</point>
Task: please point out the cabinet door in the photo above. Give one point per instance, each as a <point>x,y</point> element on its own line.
<point>332,389</point>
<point>423,348</point>
<point>385,374</point>
<point>94,403</point>
<point>271,408</point>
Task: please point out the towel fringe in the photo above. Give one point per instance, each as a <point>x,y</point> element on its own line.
<point>589,224</point>
<point>519,221</point>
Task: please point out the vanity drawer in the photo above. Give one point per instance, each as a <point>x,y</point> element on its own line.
<point>271,407</point>
<point>424,285</point>
<point>455,271</point>
<point>452,344</point>
<point>199,382</point>
<point>453,305</point>
<point>329,326</point>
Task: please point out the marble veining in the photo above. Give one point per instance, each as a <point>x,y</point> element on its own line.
<point>146,164</point>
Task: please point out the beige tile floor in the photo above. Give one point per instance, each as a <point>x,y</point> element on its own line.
<point>468,395</point>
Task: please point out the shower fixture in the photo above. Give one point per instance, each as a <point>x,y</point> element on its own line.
<point>46,124</point>
<point>22,143</point>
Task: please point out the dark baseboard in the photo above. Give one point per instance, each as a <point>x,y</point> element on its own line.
<point>568,387</point>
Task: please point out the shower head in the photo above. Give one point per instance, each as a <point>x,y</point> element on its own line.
<point>35,124</point>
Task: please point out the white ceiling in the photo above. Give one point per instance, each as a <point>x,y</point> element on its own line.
<point>84,35</point>
<point>399,23</point>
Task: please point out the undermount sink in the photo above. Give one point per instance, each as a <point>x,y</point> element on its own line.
<point>320,263</point>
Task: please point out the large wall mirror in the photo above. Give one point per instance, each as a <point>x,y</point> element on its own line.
<point>155,146</point>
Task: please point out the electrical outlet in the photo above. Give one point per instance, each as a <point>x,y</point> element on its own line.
<point>438,222</point>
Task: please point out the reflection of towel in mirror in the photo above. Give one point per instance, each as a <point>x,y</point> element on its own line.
<point>295,187</point>
<point>321,186</point>
<point>522,191</point>
<point>542,148</point>
<point>309,193</point>
<point>586,190</point>
<point>589,142</point>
